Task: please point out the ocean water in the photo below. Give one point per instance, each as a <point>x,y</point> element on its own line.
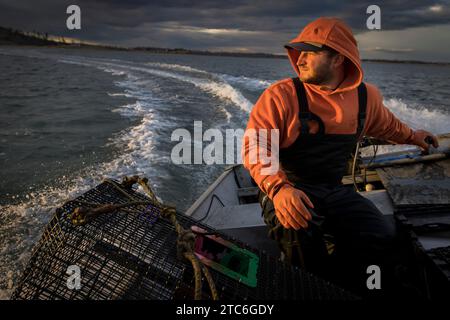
<point>71,117</point>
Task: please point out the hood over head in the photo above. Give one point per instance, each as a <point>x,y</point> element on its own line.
<point>336,34</point>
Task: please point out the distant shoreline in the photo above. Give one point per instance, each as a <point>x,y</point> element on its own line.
<point>10,36</point>
<point>263,55</point>
<point>210,53</point>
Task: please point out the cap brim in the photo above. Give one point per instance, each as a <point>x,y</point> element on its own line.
<point>301,46</point>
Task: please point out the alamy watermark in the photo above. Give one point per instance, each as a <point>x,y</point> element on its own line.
<point>374,280</point>
<point>374,20</point>
<point>262,147</point>
<point>73,22</point>
<point>74,277</point>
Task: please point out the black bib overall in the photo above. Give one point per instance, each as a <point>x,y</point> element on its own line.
<point>316,163</point>
<point>320,158</point>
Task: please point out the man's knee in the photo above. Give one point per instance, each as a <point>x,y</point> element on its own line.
<point>373,224</point>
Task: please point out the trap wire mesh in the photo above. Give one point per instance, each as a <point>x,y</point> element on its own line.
<point>132,254</point>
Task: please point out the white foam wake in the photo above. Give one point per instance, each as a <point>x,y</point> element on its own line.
<point>222,90</point>
<point>420,117</point>
<point>219,89</point>
<point>416,117</point>
<point>252,84</point>
<point>176,67</point>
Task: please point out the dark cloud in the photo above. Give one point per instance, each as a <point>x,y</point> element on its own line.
<point>179,23</point>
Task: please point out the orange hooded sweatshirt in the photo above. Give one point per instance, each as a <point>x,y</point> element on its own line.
<point>277,107</point>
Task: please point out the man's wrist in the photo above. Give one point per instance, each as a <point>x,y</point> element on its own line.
<point>278,188</point>
<point>410,139</point>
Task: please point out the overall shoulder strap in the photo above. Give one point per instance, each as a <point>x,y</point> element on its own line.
<point>304,114</point>
<point>362,105</point>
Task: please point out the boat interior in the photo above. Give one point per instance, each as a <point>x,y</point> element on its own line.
<point>407,186</point>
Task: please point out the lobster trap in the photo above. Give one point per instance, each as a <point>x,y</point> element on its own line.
<point>132,253</point>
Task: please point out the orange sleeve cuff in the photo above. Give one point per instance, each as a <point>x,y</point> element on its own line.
<point>272,184</point>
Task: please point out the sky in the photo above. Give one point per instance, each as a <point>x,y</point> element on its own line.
<point>410,29</point>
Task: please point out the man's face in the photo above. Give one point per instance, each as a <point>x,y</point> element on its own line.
<point>315,67</point>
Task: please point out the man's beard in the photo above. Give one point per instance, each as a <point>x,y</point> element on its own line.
<point>320,76</point>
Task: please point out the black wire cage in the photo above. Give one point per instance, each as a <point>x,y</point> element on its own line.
<point>132,254</point>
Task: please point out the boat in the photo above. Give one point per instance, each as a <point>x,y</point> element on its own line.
<point>401,184</point>
<point>117,241</point>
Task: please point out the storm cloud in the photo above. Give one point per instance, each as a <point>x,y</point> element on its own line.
<point>230,25</point>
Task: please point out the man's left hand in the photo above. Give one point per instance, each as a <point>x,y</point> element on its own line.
<point>419,137</point>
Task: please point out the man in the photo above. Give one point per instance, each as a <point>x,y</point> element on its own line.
<point>320,116</point>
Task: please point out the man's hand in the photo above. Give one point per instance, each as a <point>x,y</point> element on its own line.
<point>290,209</point>
<point>419,137</point>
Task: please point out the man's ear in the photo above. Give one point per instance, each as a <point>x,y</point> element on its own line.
<point>338,60</point>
